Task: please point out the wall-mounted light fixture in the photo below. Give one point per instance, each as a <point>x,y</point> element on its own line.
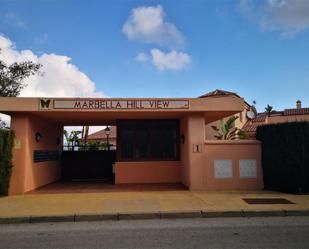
<point>182,138</point>
<point>38,136</point>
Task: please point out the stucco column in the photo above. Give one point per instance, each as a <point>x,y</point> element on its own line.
<point>192,156</point>
<point>20,126</point>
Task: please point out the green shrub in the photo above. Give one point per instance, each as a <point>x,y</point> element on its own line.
<point>6,145</point>
<point>285,156</point>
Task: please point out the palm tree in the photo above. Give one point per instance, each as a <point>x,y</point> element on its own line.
<point>71,138</point>
<point>75,137</point>
<point>85,133</point>
<point>268,109</point>
<point>228,131</point>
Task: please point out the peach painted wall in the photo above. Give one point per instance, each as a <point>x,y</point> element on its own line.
<point>184,152</point>
<point>193,126</point>
<point>148,172</point>
<point>235,151</point>
<point>28,175</point>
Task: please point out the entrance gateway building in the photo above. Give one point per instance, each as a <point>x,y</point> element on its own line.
<point>159,140</point>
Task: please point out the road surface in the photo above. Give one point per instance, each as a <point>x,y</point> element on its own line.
<point>281,232</point>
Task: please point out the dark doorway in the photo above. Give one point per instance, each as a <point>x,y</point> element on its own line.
<point>88,165</point>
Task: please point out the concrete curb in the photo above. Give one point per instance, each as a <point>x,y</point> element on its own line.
<point>152,215</point>
<point>14,220</point>
<point>54,218</point>
<point>180,215</point>
<point>218,214</point>
<point>138,216</point>
<point>95,217</point>
<point>265,213</point>
<point>296,212</point>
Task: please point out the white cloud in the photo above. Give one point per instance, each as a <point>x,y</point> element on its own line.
<point>142,57</point>
<point>6,119</point>
<point>60,77</point>
<point>147,24</point>
<point>287,16</point>
<point>12,19</point>
<point>170,61</point>
<point>39,40</point>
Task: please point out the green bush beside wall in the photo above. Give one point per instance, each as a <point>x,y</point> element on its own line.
<point>285,156</point>
<point>6,145</point>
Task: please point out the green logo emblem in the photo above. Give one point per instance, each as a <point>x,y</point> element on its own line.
<point>45,104</point>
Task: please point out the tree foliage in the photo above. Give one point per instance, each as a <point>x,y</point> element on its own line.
<point>285,156</point>
<point>6,145</point>
<point>72,138</point>
<point>228,131</point>
<point>12,76</point>
<point>3,124</point>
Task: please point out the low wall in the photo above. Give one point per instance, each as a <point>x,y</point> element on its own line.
<point>148,172</point>
<point>232,165</point>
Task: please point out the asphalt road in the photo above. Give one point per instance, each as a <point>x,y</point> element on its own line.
<point>284,232</point>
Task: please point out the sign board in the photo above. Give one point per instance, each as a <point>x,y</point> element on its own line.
<point>106,104</point>
<point>17,143</point>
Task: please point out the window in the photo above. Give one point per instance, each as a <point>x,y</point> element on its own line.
<point>142,140</point>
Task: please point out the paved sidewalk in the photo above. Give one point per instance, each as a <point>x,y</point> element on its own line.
<point>131,205</point>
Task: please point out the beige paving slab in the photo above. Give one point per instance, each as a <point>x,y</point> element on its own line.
<point>143,202</point>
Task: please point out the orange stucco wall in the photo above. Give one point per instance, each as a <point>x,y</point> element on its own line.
<point>235,151</point>
<point>192,161</point>
<point>148,172</point>
<point>28,175</point>
<point>184,152</point>
<point>19,123</point>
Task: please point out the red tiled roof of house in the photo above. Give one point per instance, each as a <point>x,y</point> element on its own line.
<point>260,117</point>
<point>218,92</point>
<point>100,135</point>
<point>251,125</point>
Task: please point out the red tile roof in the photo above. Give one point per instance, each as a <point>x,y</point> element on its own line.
<point>100,135</point>
<point>260,117</point>
<point>251,125</point>
<point>218,92</point>
<point>296,111</point>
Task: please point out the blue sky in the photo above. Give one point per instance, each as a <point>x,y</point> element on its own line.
<point>259,49</point>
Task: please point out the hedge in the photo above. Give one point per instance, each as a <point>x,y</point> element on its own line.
<point>285,156</point>
<point>6,145</point>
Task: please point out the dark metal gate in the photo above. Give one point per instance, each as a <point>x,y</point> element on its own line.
<point>88,165</point>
